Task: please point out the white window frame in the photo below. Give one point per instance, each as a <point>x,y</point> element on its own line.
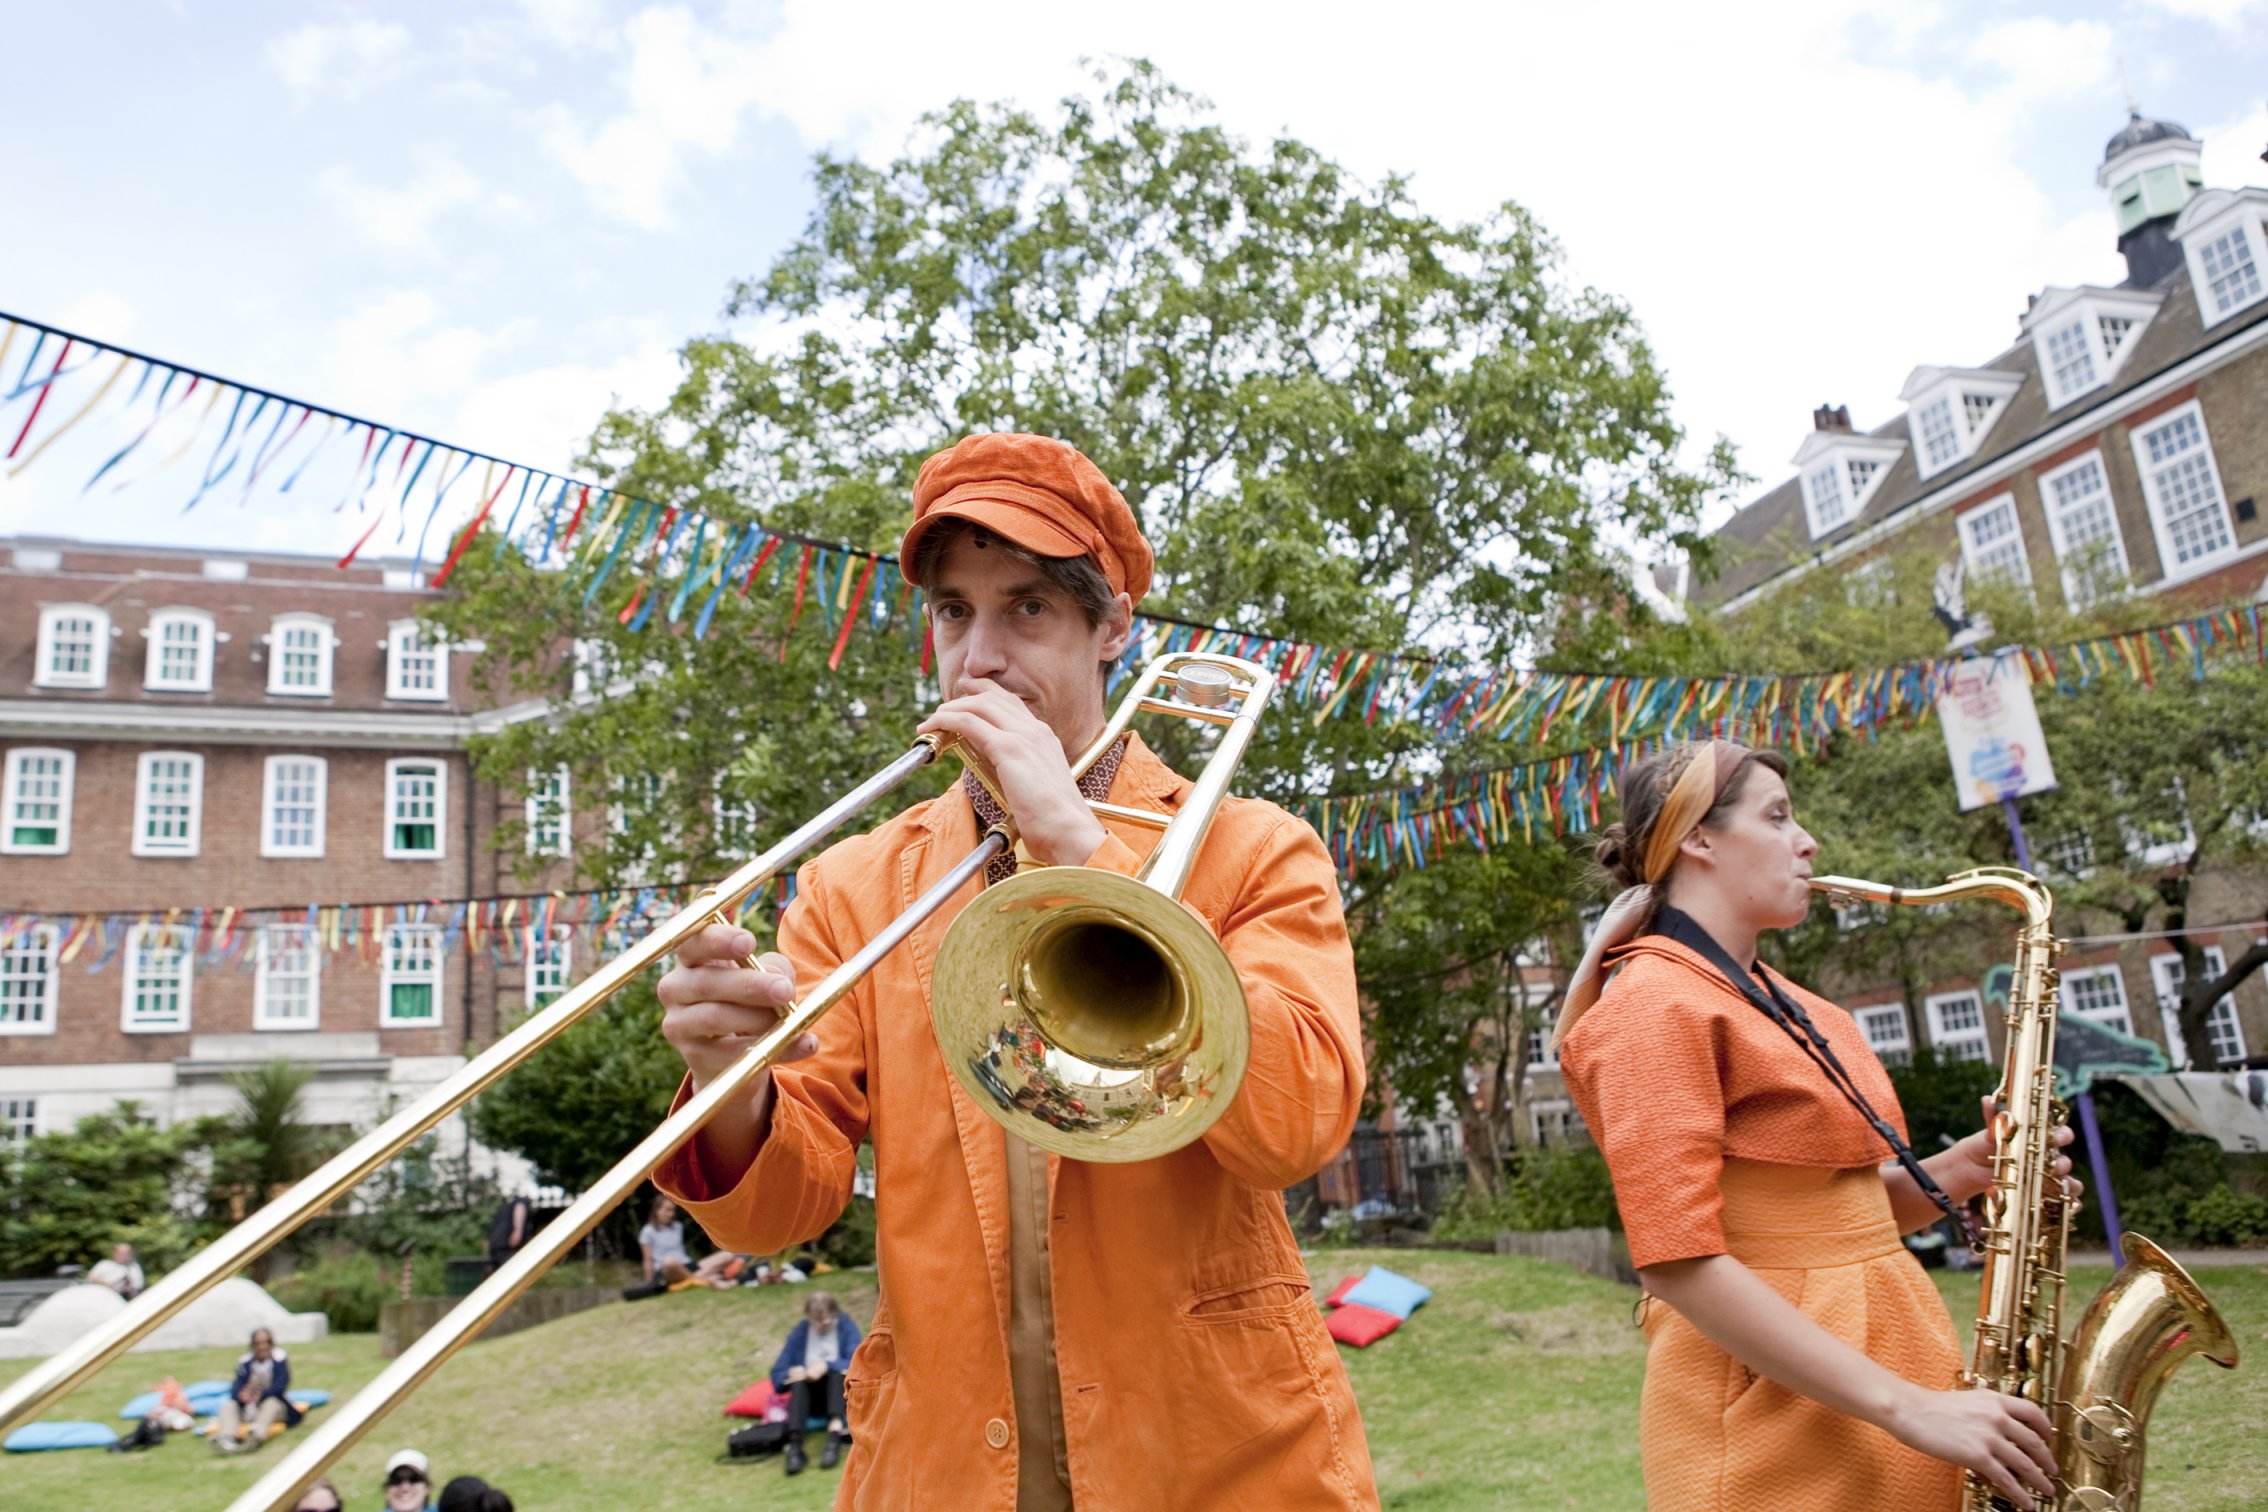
<point>549,969</point>
<point>2171,571</point>
<point>269,844</point>
<point>279,631</point>
<point>1876,1021</point>
<point>408,638</point>
<point>2059,310</point>
<point>201,666</point>
<point>2165,973</point>
<point>2078,589</point>
<point>1969,523</point>
<point>138,940</point>
<point>2207,221</point>
<point>19,1119</point>
<point>1828,482</point>
<point>143,845</point>
<point>391,975</point>
<point>393,814</point>
<point>1956,1042</point>
<point>12,795</point>
<point>97,674</point>
<point>264,1013</point>
<point>562,807</point>
<point>43,940</point>
<point>2120,1018</point>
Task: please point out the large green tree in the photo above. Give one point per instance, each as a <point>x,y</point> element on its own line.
<point>1342,419</point>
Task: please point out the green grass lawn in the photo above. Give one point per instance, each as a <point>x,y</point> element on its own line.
<point>1517,1387</point>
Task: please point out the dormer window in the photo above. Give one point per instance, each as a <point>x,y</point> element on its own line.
<point>417,663</point>
<point>1992,542</point>
<point>2082,337</point>
<point>74,647</point>
<point>1840,473</point>
<point>2224,234</point>
<point>299,655</point>
<point>181,652</point>
<point>1950,409</point>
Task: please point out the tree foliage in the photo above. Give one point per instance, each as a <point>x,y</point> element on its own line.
<point>114,1176</point>
<point>1341,418</point>
<point>2158,786</point>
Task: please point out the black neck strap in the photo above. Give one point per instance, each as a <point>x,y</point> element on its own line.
<point>1765,996</point>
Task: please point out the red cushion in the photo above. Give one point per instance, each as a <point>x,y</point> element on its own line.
<point>1339,1292</point>
<point>754,1402</point>
<point>1359,1325</point>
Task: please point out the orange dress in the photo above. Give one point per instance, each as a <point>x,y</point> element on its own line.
<point>1169,1276</point>
<point>1724,1138</point>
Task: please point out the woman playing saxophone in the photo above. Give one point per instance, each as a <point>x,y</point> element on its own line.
<point>1797,1355</point>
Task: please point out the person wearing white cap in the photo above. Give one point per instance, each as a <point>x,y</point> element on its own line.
<point>409,1482</point>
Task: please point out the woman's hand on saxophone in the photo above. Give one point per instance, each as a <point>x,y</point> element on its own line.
<point>2006,1440</point>
<point>1966,1169</point>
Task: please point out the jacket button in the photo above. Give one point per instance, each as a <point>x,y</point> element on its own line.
<point>996,1433</point>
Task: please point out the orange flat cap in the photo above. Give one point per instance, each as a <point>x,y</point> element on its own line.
<point>1039,493</point>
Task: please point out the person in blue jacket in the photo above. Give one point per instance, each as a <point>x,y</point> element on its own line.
<point>810,1370</point>
<point>256,1398</point>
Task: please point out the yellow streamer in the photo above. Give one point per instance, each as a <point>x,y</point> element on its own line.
<point>65,428</point>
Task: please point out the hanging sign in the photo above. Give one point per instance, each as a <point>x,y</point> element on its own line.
<point>1992,731</point>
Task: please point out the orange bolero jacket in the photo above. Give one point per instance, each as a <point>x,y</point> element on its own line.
<point>1195,1368</point>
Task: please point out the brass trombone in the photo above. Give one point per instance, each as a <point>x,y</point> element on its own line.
<point>1091,1013</point>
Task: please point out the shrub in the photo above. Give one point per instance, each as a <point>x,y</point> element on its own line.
<point>2225,1217</point>
<point>1550,1188</point>
<point>347,1285</point>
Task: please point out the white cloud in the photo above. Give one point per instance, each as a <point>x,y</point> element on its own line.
<point>566,23</point>
<point>542,416</point>
<point>338,58</point>
<point>402,219</point>
<point>2038,60</point>
<point>2232,151</point>
<point>100,314</point>
<point>394,357</point>
<point>687,89</point>
<point>2228,15</point>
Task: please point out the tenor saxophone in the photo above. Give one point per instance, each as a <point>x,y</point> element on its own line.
<point>2099,1385</point>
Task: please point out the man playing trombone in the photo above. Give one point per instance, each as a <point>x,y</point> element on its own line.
<point>1051,1332</point>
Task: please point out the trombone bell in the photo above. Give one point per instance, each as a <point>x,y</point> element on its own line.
<point>1090,1014</point>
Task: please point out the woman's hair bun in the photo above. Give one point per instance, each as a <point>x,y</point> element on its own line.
<point>1612,854</point>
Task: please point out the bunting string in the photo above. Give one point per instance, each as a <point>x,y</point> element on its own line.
<point>681,563</point>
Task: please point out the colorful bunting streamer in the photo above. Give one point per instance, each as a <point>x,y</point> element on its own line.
<point>680,559</point>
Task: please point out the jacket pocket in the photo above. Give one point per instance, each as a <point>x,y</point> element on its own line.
<point>1265,1298</point>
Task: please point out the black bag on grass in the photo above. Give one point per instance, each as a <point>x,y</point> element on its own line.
<point>756,1440</point>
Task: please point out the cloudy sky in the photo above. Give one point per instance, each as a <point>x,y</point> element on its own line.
<point>486,220</point>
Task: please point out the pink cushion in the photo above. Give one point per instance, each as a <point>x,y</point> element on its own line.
<point>1359,1325</point>
<point>756,1401</point>
<point>1339,1292</point>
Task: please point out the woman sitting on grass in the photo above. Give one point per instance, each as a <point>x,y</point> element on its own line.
<point>661,1244</point>
<point>256,1401</point>
<point>810,1370</point>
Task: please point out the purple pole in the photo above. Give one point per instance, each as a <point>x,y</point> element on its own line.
<point>2089,1131</point>
<point>2092,1133</point>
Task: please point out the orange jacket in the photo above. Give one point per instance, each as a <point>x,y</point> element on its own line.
<point>1195,1368</point>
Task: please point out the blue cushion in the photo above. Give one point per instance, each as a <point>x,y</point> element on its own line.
<point>1387,1292</point>
<point>141,1407</point>
<point>34,1437</point>
<point>206,1388</point>
<point>313,1396</point>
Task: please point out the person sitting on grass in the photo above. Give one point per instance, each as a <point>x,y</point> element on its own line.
<point>661,1245</point>
<point>256,1398</point>
<point>810,1370</point>
<point>409,1482</point>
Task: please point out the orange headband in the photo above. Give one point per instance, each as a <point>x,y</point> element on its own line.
<point>1696,791</point>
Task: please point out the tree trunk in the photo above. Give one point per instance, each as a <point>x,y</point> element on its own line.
<point>2199,994</point>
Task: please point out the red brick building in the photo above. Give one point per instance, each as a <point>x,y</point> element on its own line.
<point>188,729</point>
<point>2120,442</point>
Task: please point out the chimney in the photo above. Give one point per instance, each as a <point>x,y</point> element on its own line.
<point>1832,418</point>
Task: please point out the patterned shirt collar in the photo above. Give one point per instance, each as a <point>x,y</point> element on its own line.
<point>1094,786</point>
